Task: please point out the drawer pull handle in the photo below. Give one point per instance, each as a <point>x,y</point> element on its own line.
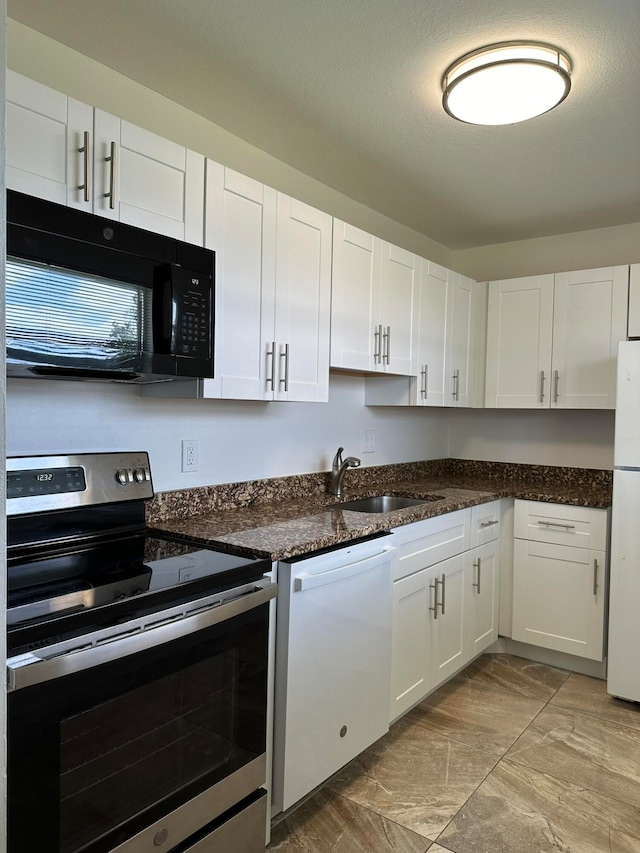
<point>557,524</point>
<point>488,523</point>
<point>542,386</point>
<point>595,577</point>
<point>444,577</point>
<point>478,565</point>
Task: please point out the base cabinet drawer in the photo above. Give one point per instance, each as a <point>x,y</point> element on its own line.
<point>431,541</point>
<point>485,523</point>
<point>561,524</point>
<point>559,596</point>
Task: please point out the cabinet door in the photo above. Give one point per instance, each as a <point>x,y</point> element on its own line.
<point>559,597</point>
<point>482,586</point>
<point>519,330</point>
<point>461,342</point>
<point>433,300</point>
<point>355,277</point>
<point>397,298</point>
<point>411,642</point>
<point>157,184</point>
<point>241,229</point>
<point>45,135</point>
<point>303,301</point>
<point>589,320</point>
<point>449,647</point>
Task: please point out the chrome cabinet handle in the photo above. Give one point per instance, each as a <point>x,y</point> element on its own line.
<point>285,355</point>
<point>387,350</point>
<point>377,345</point>
<point>542,386</point>
<point>488,523</point>
<point>434,587</point>
<point>557,524</point>
<point>595,577</point>
<point>556,382</point>
<point>423,388</point>
<point>477,565</point>
<point>456,379</point>
<point>111,195</point>
<point>271,353</point>
<point>442,581</point>
<point>85,165</point>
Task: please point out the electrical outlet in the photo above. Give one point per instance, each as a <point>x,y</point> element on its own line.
<point>190,455</point>
<point>368,441</point>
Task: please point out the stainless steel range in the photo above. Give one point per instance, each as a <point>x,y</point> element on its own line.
<point>137,671</point>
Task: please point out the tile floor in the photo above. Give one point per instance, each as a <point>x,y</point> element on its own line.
<point>510,756</point>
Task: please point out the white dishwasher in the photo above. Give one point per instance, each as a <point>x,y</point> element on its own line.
<point>333,662</point>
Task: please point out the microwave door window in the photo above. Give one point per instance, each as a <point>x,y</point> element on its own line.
<point>67,319</point>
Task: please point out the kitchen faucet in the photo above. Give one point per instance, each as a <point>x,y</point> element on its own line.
<point>338,470</point>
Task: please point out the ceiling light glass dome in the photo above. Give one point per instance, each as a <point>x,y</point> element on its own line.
<point>506,83</point>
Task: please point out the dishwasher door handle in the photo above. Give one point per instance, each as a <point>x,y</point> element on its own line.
<point>348,570</point>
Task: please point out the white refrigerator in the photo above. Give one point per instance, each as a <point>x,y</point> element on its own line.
<point>623,671</point>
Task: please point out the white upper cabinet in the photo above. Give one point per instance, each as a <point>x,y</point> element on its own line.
<point>356,272</point>
<point>273,292</point>
<point>64,151</point>
<point>461,342</point>
<point>589,319</point>
<point>303,302</point>
<point>241,229</point>
<point>434,301</point>
<point>443,344</point>
<point>399,272</point>
<point>519,329</point>
<point>45,132</point>
<point>374,285</point>
<point>147,181</point>
<point>552,340</point>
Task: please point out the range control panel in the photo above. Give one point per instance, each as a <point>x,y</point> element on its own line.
<point>44,483</point>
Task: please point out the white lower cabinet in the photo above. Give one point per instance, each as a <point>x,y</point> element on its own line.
<point>445,600</point>
<point>482,596</point>
<point>559,585</point>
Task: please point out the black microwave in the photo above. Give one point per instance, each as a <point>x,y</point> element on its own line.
<point>90,298</point>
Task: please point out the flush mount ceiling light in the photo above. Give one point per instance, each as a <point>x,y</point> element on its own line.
<point>506,83</point>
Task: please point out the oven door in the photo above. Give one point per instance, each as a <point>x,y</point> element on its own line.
<point>139,737</point>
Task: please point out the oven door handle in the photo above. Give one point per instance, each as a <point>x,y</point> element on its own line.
<point>129,638</point>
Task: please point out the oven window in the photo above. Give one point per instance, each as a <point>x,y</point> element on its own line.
<point>122,745</point>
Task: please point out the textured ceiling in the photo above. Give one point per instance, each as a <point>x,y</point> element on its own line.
<point>348,91</point>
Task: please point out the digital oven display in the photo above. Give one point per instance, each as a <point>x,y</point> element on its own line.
<point>45,481</point>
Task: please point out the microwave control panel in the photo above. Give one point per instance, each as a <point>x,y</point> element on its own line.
<point>192,307</point>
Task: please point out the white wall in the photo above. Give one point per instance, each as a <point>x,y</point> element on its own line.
<point>583,439</point>
<point>581,250</point>
<point>238,440</point>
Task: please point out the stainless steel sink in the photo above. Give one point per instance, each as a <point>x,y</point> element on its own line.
<point>385,503</point>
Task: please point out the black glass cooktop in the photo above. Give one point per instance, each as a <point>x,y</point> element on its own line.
<point>73,587</point>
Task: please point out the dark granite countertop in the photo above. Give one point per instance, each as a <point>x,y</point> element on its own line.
<point>290,516</point>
